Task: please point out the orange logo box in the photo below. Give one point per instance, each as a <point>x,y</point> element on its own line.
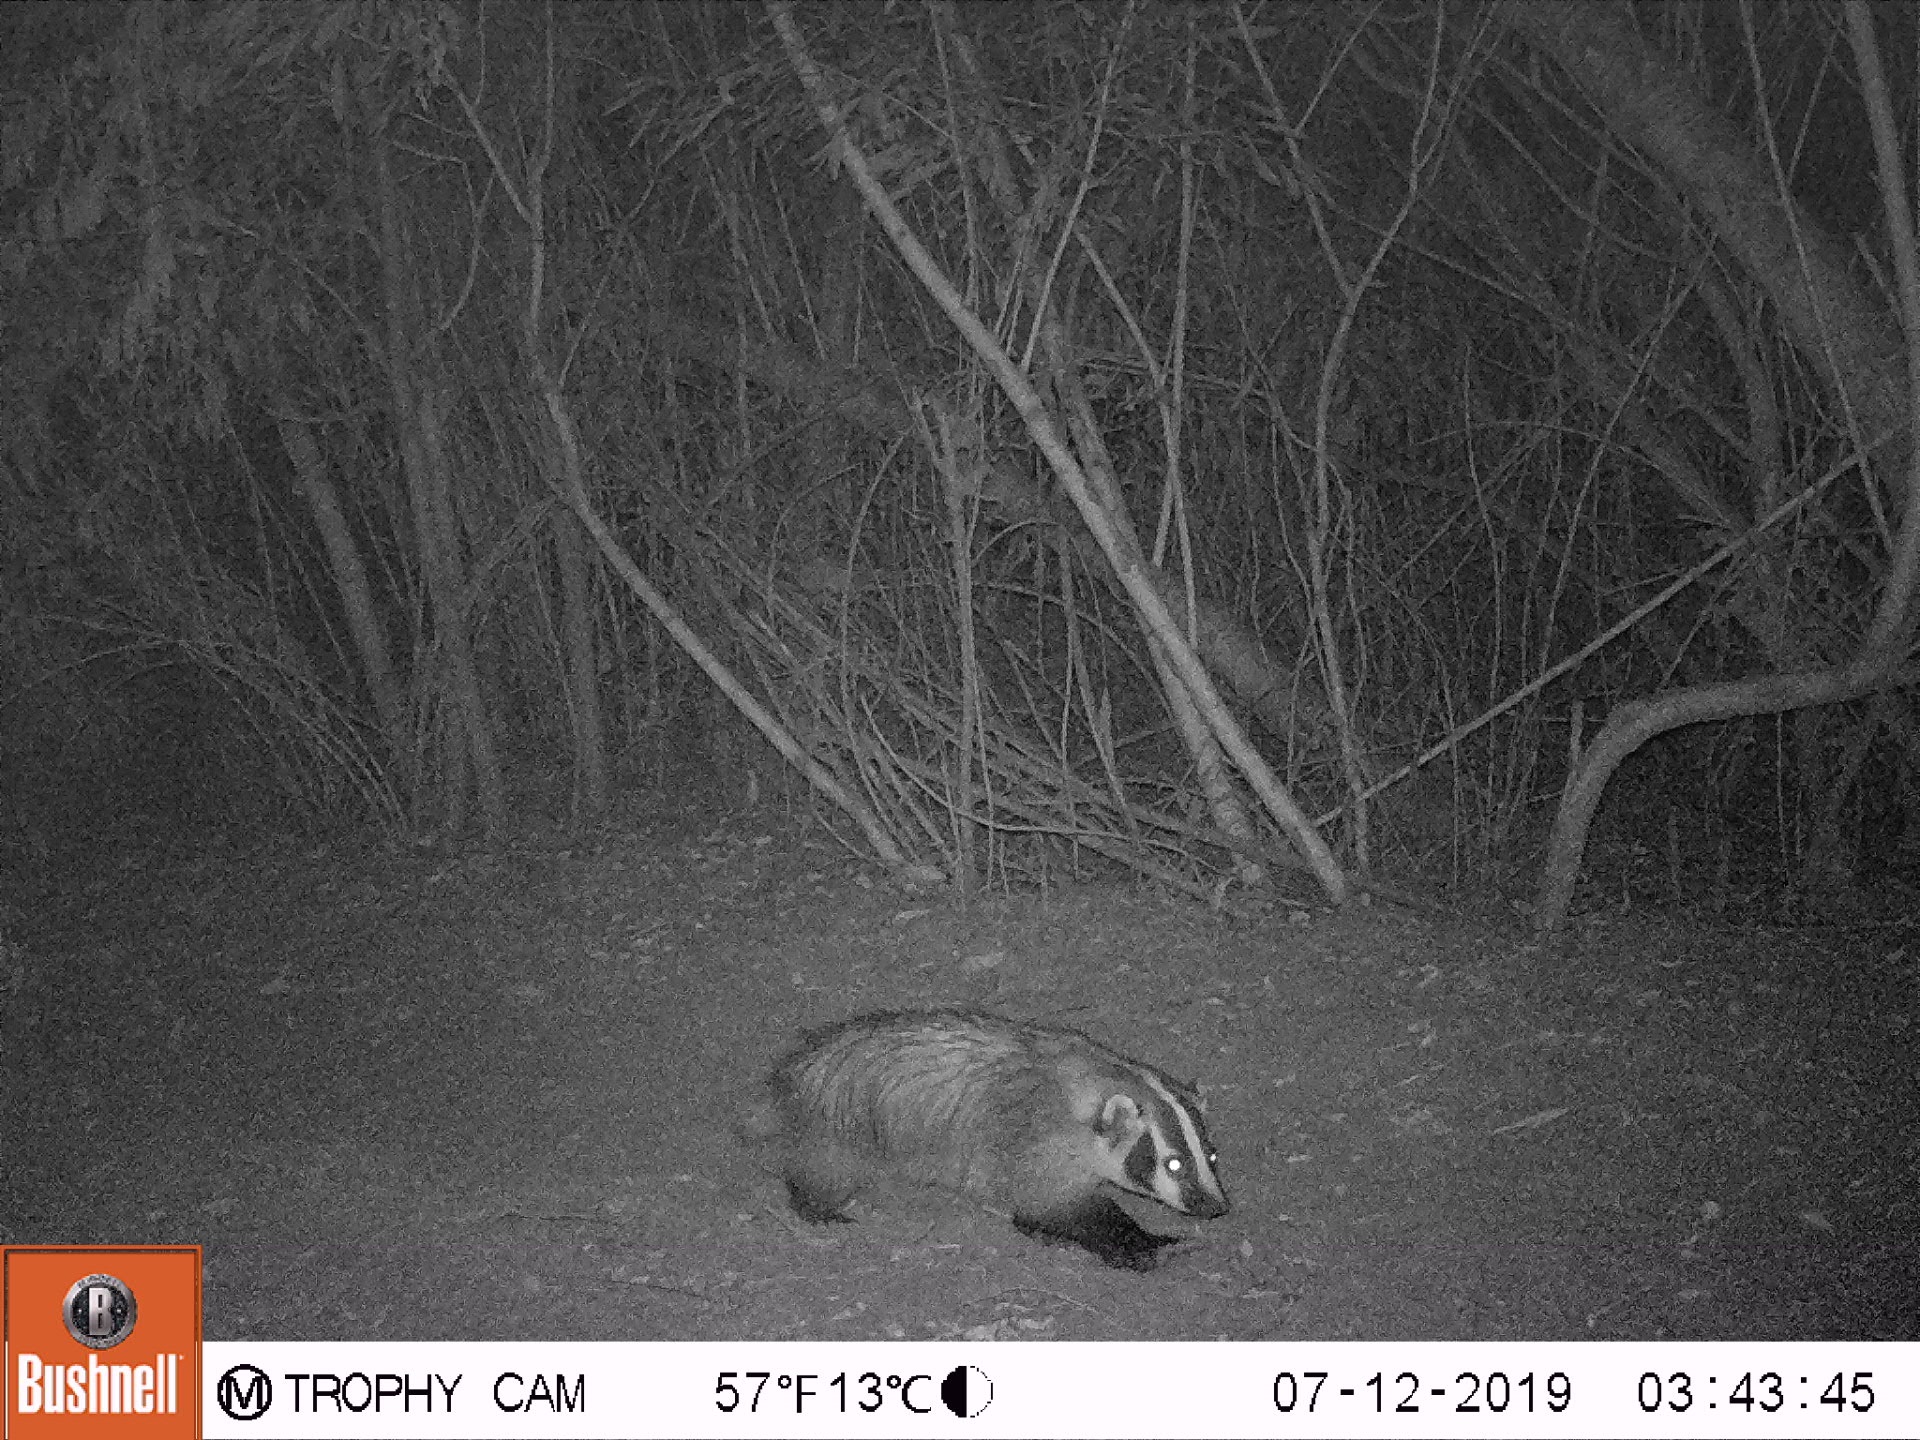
<point>100,1342</point>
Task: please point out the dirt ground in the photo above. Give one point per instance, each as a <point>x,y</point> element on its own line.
<point>430,1094</point>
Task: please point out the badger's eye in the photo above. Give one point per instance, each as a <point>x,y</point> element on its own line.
<point>1175,1165</point>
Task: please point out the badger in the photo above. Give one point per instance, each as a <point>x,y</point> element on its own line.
<point>1038,1122</point>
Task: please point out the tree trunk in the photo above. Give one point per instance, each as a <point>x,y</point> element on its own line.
<point>591,779</point>
<point>1839,327</point>
<point>416,419</point>
<point>349,574</point>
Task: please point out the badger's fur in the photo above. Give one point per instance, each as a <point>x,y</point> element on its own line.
<point>1033,1120</point>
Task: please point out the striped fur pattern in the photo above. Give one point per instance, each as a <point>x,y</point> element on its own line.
<point>1037,1121</point>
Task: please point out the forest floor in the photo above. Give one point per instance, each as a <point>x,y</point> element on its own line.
<point>436,1094</point>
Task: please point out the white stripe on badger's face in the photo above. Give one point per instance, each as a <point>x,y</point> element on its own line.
<point>1184,1174</point>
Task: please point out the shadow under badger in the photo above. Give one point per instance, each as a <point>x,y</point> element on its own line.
<point>1035,1121</point>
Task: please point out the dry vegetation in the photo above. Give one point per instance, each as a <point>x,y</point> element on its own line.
<point>1200,442</point>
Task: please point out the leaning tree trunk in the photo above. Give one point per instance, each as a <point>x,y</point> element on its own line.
<point>1128,565</point>
<point>1288,701</point>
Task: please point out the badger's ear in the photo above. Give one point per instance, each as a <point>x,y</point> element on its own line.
<point>1119,1116</point>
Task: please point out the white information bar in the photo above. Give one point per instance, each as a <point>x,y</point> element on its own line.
<point>1100,1391</point>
